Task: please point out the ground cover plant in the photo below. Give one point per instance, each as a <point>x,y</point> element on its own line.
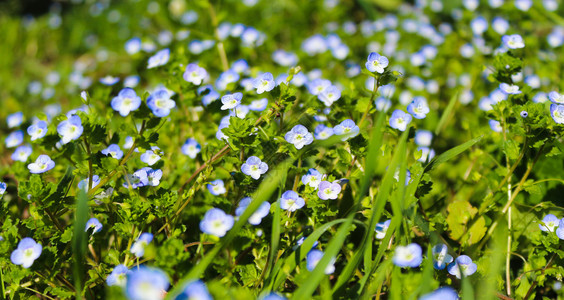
<point>255,149</point>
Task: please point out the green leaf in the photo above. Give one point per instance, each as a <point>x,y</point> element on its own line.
<point>439,159</point>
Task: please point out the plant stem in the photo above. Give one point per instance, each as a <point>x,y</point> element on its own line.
<point>220,47</point>
<point>374,90</point>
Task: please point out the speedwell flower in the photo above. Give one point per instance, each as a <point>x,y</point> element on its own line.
<point>376,62</point>
<point>299,136</point>
<point>312,178</point>
<point>312,259</point>
<point>347,129</point>
<point>510,89</point>
<point>513,41</point>
<point>70,129</point>
<point>26,253</point>
<point>93,223</point>
<point>191,148</point>
<point>328,190</point>
<point>216,187</point>
<point>22,153</point>
<point>254,167</point>
<point>231,100</point>
<point>195,74</point>
<point>399,120</point>
<point>126,101</point>
<point>408,256</point>
<point>37,130</point>
<point>441,258</point>
<point>138,248</point>
<point>264,83</point>
<point>14,139</point>
<point>549,223</point>
<point>556,97</point>
<point>418,108</point>
<point>159,59</point>
<point>323,132</point>
<point>557,113</point>
<point>114,151</point>
<point>258,215</point>
<point>216,222</point>
<point>160,103</point>
<point>144,283</point>
<point>291,201</point>
<point>462,265</point>
<point>42,164</point>
<point>118,276</point>
<point>150,157</point>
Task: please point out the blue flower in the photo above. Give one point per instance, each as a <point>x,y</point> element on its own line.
<point>291,201</point>
<point>126,101</point>
<point>231,100</point>
<point>426,154</point>
<point>131,81</point>
<point>240,111</point>
<point>93,223</point>
<point>209,96</point>
<point>159,59</point>
<point>322,132</point>
<point>549,223</point>
<point>136,180</point>
<point>195,290</point>
<point>153,176</point>
<point>555,97</point>
<point>382,104</point>
<point>272,296</point>
<point>26,253</point>
<point>257,216</point>
<point>376,62</point>
<point>299,136</point>
<point>160,103</point>
<point>150,157</point>
<point>312,178</point>
<point>462,265</point>
<point>312,259</point>
<point>216,222</point>
<point>509,89</point>
<point>442,293</point>
<point>557,113</point>
<point>399,120</point>
<point>418,108</point>
<point>560,230</point>
<point>423,138</point>
<point>264,83</point>
<point>138,248</point>
<point>240,66</point>
<point>408,256</point>
<point>83,184</point>
<point>496,126</point>
<point>15,119</point>
<point>441,258</point>
<point>513,41</point>
<point>70,129</point>
<point>302,240</point>
<point>133,45</point>
<point>3,187</point>
<point>195,74</point>
<point>217,187</point>
<point>37,130</point>
<point>382,228</point>
<point>226,78</point>
<point>524,114</point>
<point>328,190</point>
<point>254,167</point>
<point>114,151</point>
<point>22,153</point>
<point>144,283</point>
<point>317,86</point>
<point>284,58</point>
<point>41,165</point>
<point>14,139</point>
<point>191,148</point>
<point>347,129</point>
<point>109,80</point>
<point>330,95</point>
<point>118,276</point>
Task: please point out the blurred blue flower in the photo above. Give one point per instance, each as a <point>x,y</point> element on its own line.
<point>195,74</point>
<point>557,113</point>
<point>258,215</point>
<point>496,126</point>
<point>347,129</point>
<point>399,120</point>
<point>328,190</point>
<point>15,119</point>
<point>114,151</point>
<point>376,62</point>
<point>22,153</point>
<point>70,129</point>
<point>330,95</point>
<point>240,66</point>
<point>150,157</point>
<point>259,105</point>
<point>441,258</point>
<point>291,201</point>
<point>560,230</point>
<point>138,247</point>
<point>118,276</point>
<point>312,259</point>
<point>160,103</point>
<point>264,83</point>
<point>37,130</point>
<point>14,139</point>
<point>462,265</point>
<point>509,89</point>
<point>109,80</point>
<point>42,164</point>
<point>191,148</point>
<point>382,228</point>
<point>159,59</point>
<point>272,296</point>
<point>442,293</point>
<point>418,108</point>
<point>323,132</point>
<point>133,45</point>
<point>94,224</point>
<point>284,58</point>
<point>254,167</point>
<point>83,184</point>
<point>317,86</point>
<point>144,283</point>
<point>26,252</point>
<point>382,104</point>
<point>549,223</point>
<point>312,178</point>
<point>195,290</point>
<point>216,222</point>
<point>231,101</point>
<point>426,154</point>
<point>208,94</point>
<point>126,101</point>
<point>556,98</point>
<point>408,256</point>
<point>3,187</point>
<point>423,138</point>
<point>299,136</point>
<point>153,176</point>
<point>217,187</point>
<point>513,41</point>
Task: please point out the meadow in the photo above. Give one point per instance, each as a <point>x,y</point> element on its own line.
<point>253,149</point>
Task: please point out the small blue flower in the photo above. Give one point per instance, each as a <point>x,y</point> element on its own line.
<point>3,187</point>
<point>153,176</point>
<point>133,45</point>
<point>382,104</point>
<point>313,178</point>
<point>118,276</point>
<point>240,111</point>
<point>191,148</point>
<point>254,167</point>
<point>382,228</point>
<point>126,101</point>
<point>509,89</point>
<point>264,83</point>
<point>93,223</point>
<point>195,74</point>
<point>312,259</point>
<point>22,153</point>
<point>159,59</point>
<point>70,129</point>
<point>240,66</point>
<point>291,201</point>
<point>418,108</point>
<point>144,283</point>
<point>513,41</point>
<point>441,258</point>
<point>524,114</point>
<point>131,81</point>
<point>216,222</point>
<point>114,151</point>
<point>138,247</point>
<point>423,138</point>
<point>150,157</point>
<point>15,119</point>
<point>317,86</point>
<point>284,58</point>
<point>556,98</point>
<point>347,129</point>
<point>217,187</point>
<point>37,130</point>
<point>258,215</point>
<point>426,154</point>
<point>272,296</point>
<point>323,132</point>
<point>442,293</point>
<point>83,184</point>
<point>299,136</point>
<point>549,223</point>
<point>109,80</point>
<point>26,253</point>
<point>557,113</point>
<point>226,78</point>
<point>399,120</point>
<point>408,256</point>
<point>128,143</point>
<point>41,165</point>
<point>208,94</point>
<point>496,126</point>
<point>137,179</point>
<point>302,240</point>
<point>462,265</point>
<point>258,105</point>
<point>231,101</point>
<point>328,190</point>
<point>14,139</point>
<point>195,290</point>
<point>376,62</point>
<point>160,103</point>
<point>330,95</point>
<point>560,230</point>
